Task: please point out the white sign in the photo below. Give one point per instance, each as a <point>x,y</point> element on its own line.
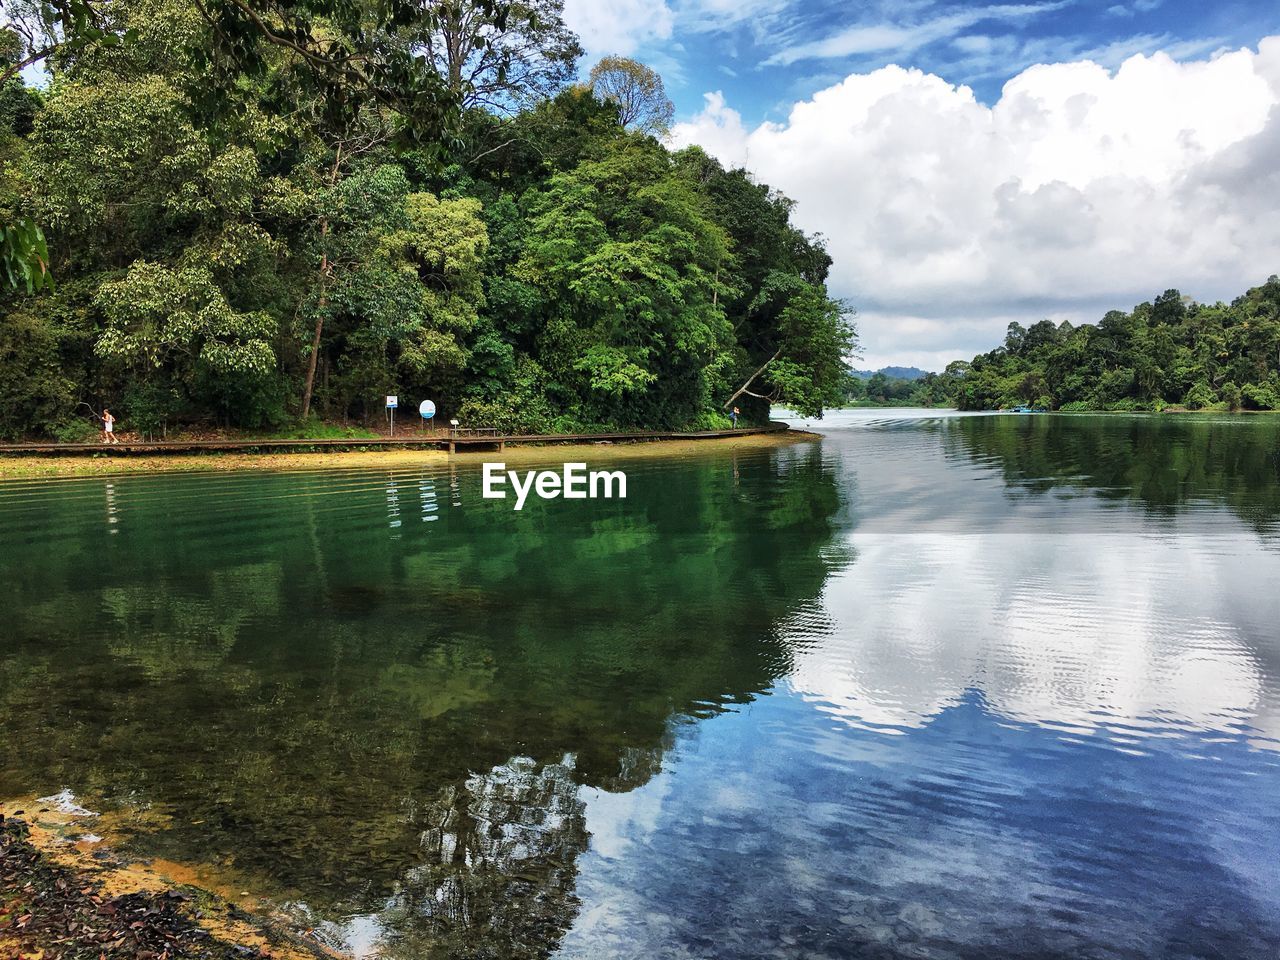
<point>393,402</point>
<point>427,409</point>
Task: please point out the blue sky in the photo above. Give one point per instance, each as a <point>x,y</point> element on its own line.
<point>974,164</point>
<point>767,54</point>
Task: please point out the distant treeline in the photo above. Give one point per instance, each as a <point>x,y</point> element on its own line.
<point>260,212</point>
<point>890,387</point>
<point>1171,351</point>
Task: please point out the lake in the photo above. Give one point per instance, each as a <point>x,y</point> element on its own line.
<point>936,686</point>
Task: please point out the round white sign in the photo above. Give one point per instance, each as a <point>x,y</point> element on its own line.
<point>427,409</point>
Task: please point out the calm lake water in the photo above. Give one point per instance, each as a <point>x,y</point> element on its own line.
<point>937,686</point>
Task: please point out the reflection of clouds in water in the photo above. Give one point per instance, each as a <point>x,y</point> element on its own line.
<point>1136,636</point>
<point>618,821</point>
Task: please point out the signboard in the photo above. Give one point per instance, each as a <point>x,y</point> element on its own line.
<point>393,402</point>
<point>427,409</point>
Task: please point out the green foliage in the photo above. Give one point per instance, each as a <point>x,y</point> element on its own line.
<point>1256,397</point>
<point>315,430</point>
<point>260,209</point>
<point>523,409</point>
<point>24,256</point>
<point>1231,395</point>
<point>1171,350</point>
<point>1200,396</point>
<point>76,431</point>
<point>35,394</point>
<point>159,318</point>
<point>148,406</point>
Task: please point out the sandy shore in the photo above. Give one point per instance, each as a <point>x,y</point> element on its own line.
<point>23,466</point>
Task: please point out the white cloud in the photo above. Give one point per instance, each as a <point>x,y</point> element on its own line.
<point>1140,6</point>
<point>618,26</point>
<point>628,27</point>
<point>867,38</point>
<point>1080,189</point>
<point>1023,643</point>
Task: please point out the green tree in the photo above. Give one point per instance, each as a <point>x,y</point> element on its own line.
<point>627,280</point>
<point>637,91</point>
<point>500,57</point>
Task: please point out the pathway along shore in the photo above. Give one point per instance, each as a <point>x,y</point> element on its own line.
<point>452,442</point>
<point>360,454</point>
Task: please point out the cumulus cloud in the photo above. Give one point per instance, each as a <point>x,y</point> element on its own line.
<point>1081,188</point>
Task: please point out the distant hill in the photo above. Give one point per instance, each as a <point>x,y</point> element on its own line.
<point>893,373</point>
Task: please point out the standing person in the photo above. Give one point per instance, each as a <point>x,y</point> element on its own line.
<point>108,427</point>
<point>734,417</point>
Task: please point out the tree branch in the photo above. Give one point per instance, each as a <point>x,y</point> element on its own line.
<point>14,69</point>
<point>750,380</point>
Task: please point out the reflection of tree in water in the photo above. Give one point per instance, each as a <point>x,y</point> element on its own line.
<point>499,861</point>
<point>1164,463</point>
<point>262,660</point>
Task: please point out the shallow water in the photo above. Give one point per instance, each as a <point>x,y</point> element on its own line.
<point>937,686</point>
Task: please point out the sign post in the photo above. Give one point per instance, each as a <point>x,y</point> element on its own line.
<point>427,409</point>
<point>393,402</point>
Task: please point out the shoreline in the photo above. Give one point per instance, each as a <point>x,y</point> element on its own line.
<point>30,466</point>
<point>63,887</point>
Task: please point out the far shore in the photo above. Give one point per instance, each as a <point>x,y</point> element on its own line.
<point>31,466</point>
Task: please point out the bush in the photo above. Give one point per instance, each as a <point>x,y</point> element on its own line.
<point>1127,405</point>
<point>248,402</point>
<point>149,406</point>
<point>35,395</point>
<point>711,420</point>
<point>525,409</point>
<point>313,429</point>
<point>1200,396</point>
<point>1259,397</point>
<point>77,431</point>
<point>510,418</point>
<point>1075,406</point>
<point>1231,395</point>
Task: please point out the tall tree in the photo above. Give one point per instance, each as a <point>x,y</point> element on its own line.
<point>638,92</point>
<point>530,57</point>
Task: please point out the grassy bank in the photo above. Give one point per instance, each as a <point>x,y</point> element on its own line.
<point>24,466</point>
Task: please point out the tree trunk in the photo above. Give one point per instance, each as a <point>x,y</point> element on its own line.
<point>322,301</point>
<point>315,339</point>
<point>751,379</point>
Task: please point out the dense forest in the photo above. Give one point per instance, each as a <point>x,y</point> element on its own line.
<point>260,213</point>
<point>1171,351</point>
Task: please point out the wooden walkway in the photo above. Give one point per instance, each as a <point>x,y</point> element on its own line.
<point>439,441</point>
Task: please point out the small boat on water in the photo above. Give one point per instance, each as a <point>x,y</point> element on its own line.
<point>1028,410</point>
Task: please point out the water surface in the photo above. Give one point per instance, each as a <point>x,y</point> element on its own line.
<point>936,686</point>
